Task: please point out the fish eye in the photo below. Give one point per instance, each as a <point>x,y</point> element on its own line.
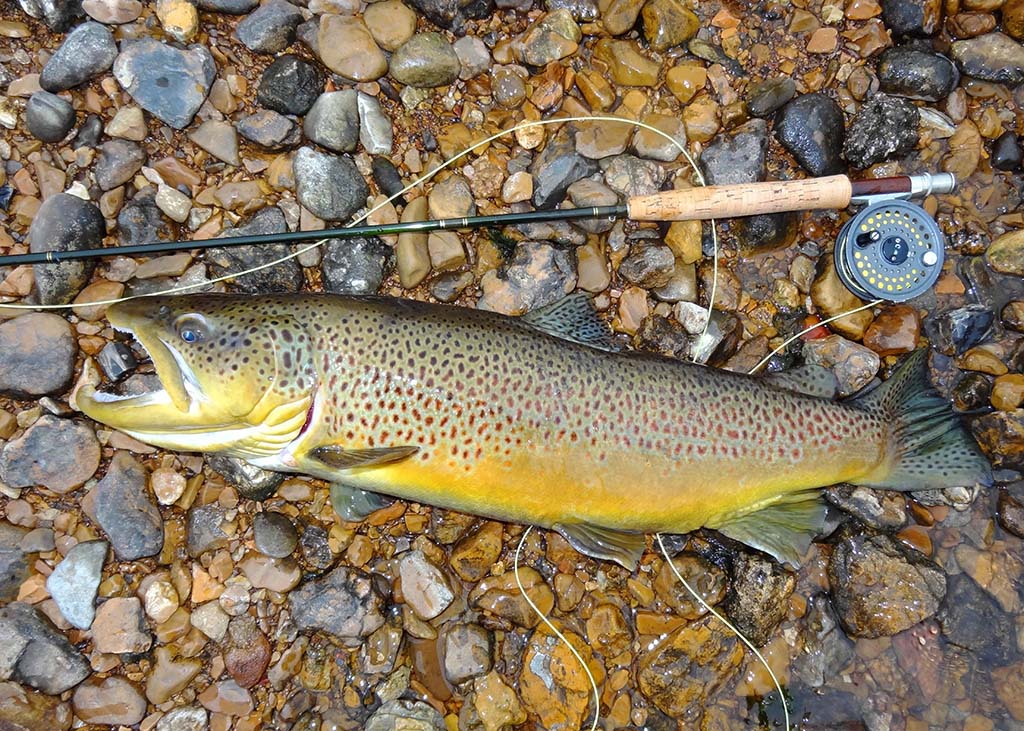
<point>191,328</point>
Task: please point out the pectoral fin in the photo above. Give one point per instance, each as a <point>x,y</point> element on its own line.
<point>608,544</point>
<point>353,504</point>
<point>784,530</point>
<point>339,458</point>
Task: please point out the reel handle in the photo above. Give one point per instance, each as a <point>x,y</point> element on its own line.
<point>743,199</point>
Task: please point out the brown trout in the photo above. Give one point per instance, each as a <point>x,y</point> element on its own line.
<point>533,420</point>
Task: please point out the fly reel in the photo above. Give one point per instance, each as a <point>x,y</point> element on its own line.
<point>891,250</point>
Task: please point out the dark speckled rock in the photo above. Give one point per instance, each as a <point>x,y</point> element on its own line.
<point>917,74</point>
<point>811,128</point>
<point>883,128</point>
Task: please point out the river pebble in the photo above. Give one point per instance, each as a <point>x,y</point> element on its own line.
<point>811,128</point>
<point>59,454</point>
<point>290,85</point>
<point>87,51</point>
<point>74,582</point>
<point>426,60</point>
<point>910,72</point>
<point>37,355</point>
<point>270,28</point>
<point>343,603</point>
<point>49,117</point>
<point>122,506</point>
<point>333,121</point>
<point>65,223</point>
<point>167,82</point>
<point>991,57</point>
<point>884,128</point>
<point>36,653</point>
<point>112,701</point>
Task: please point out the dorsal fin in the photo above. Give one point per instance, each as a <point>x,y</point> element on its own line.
<point>573,318</point>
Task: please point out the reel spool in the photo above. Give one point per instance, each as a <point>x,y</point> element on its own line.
<point>891,250</point>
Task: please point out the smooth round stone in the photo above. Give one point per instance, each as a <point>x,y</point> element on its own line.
<point>811,129</point>
<point>553,37</point>
<point>65,223</point>
<point>290,85</point>
<point>48,117</point>
<point>626,65</point>
<point>232,7</point>
<point>508,87</point>
<point>391,23</point>
<point>1013,19</point>
<point>916,74</point>
<point>768,96</point>
<point>426,61</point>
<point>111,701</point>
<point>912,17</point>
<point>274,534</point>
<point>87,51</point>
<point>376,133</point>
<point>269,129</point>
<point>333,121</point>
<point>347,48</point>
<point>270,28</point>
<point>179,19</point>
<point>112,12</point>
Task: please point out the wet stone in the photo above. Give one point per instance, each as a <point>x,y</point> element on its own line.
<point>329,186</point>
<point>111,701</point>
<point>648,266</point>
<point>226,697</point>
<point>269,129</point>
<point>403,715</point>
<point>473,555</point>
<point>58,454</point>
<point>86,51</point>
<point>955,331</point>
<point>759,592</point>
<point>467,652</point>
<point>316,548</point>
<point>333,121</point>
<point>426,60</point>
<point>668,23</point>
<point>64,223</point>
<point>912,17</point>
<point>880,588</point>
<point>187,718</point>
<point>853,365</point>
<point>140,221</point>
<point>219,139</point>
<point>552,683</point>
<point>274,534</point>
<point>632,176</point>
<point>169,83</point>
<point>738,158</point>
<point>881,510</point>
<point>75,580</point>
<point>14,567</point>
<point>827,651</point>
<point>1006,152</point>
<point>169,676</point>
<point>768,96</point>
<point>664,336</point>
<point>285,276</point>
<point>58,16</point>
<point>811,128</point>
<point>991,57</point>
<point>883,128</point>
<point>290,85</point>
<point>344,603</point>
<point>247,654</point>
<point>252,482</point>
<point>37,355</point>
<point>1006,253</point>
<point>122,505</point>
<point>232,7</point>
<point>1010,513</point>
<point>971,618</point>
<point>347,48</point>
<point>270,28</point>
<point>118,162</point>
<point>203,529</point>
<point>972,392</point>
<point>391,23</point>
<point>35,653</point>
<point>24,709</point>
<point>49,117</point>
<point>424,585</point>
<point>537,275</point>
<point>556,168</point>
<point>474,57</point>
<point>376,134</point>
<point>916,74</point>
<point>894,331</point>
<point>355,266</point>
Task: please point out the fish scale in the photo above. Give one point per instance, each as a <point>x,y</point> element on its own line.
<point>497,416</point>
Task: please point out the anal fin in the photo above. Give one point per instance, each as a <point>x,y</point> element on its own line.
<point>353,504</point>
<point>607,544</point>
<point>783,530</point>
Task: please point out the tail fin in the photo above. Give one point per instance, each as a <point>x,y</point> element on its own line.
<point>933,451</point>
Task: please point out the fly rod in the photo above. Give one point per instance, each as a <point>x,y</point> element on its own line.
<point>702,203</point>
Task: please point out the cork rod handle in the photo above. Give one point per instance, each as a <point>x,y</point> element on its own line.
<point>745,199</point>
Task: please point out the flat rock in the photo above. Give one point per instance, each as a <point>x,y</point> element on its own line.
<point>34,652</point>
<point>991,57</point>
<point>283,277</point>
<point>252,482</point>
<point>232,7</point>
<point>122,505</point>
<point>112,12</point>
<point>424,585</point>
<point>75,580</point>
<point>65,223</point>
<point>37,355</point>
<point>346,47</point>
<point>219,139</point>
<point>811,129</point>
<point>453,14</point>
<point>57,15</point>
<point>537,275</point>
<point>14,567</point>
<point>355,266</point>
<point>118,162</point>
<point>58,454</point>
<point>274,534</point>
<point>167,82</point>
<point>403,715</point>
<point>467,652</point>
<point>343,603</point>
<point>971,618</point>
<point>86,51</point>
<point>290,85</point>
<point>853,364</point>
<point>187,718</point>
<point>270,28</point>
<point>376,133</point>
<point>557,167</point>
<point>883,128</point>
<point>738,158</point>
<point>329,186</point>
<point>269,129</point>
<point>767,97</point>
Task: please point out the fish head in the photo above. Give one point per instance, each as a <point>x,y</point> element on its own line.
<point>235,374</point>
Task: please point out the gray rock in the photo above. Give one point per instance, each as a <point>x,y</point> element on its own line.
<point>537,275</point>
<point>912,17</point>
<point>1006,152</point>
<point>758,598</point>
<point>956,331</point>
<point>49,117</point>
<point>916,74</point>
<point>425,61</point>
<point>739,158</point>
<point>400,715</point>
<point>270,130</point>
<point>290,85</point>
<point>75,581</point>
<point>270,28</point>
<point>333,120</point>
<point>218,138</point>
<point>632,176</point>
<point>588,193</point>
<point>274,534</point>
<point>118,162</point>
<point>316,547</point>
<point>971,618</point>
<point>252,482</point>
<point>879,509</point>
<point>232,7</point>
<point>344,603</point>
<point>355,266</point>
<point>37,355</point>
<point>329,186</point>
<point>59,454</point>
<point>883,128</point>
<point>121,503</point>
<point>811,129</point>
<point>167,82</point>
<point>34,652</point>
<point>648,266</point>
<point>453,14</point>
<point>89,132</point>
<point>188,718</point>
<point>853,364</point>
<point>826,649</point>
<point>880,588</point>
<point>768,96</point>
<point>375,131</point>
<point>57,14</point>
<point>448,286</point>
<point>86,52</point>
<point>474,56</point>
<point>766,231</point>
<point>65,223</point>
<point>141,221</point>
<point>202,529</point>
<point>556,168</point>
<point>466,653</point>
<point>14,567</point>
<point>283,277</point>
<point>991,57</point>
<point>116,360</point>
